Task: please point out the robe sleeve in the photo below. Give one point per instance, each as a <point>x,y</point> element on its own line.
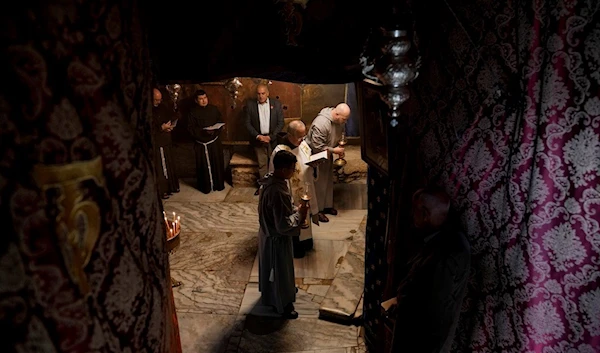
<point>318,139</point>
<point>287,221</point>
<point>159,117</point>
<point>195,129</point>
<point>156,121</point>
<point>219,116</point>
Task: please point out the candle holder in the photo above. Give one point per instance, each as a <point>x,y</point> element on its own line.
<point>306,202</point>
<point>173,240</point>
<point>340,162</point>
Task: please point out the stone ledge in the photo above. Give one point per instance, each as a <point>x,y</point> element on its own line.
<point>244,176</point>
<point>343,302</point>
<point>244,169</point>
<point>343,297</point>
<point>241,159</point>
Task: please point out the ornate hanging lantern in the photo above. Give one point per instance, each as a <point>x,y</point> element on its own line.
<point>394,67</point>
<point>174,93</point>
<point>232,86</point>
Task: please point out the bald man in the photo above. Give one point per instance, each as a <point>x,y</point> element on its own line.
<point>304,177</point>
<point>325,134</point>
<point>264,120</point>
<point>164,122</point>
<point>431,292</point>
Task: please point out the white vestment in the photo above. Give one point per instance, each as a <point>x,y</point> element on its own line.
<point>304,174</point>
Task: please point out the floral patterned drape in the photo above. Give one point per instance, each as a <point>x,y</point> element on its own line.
<point>506,115</point>
<point>83,264</point>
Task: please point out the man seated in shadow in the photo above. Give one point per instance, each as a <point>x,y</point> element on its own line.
<point>430,294</point>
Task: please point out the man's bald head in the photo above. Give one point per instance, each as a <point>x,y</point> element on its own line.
<point>341,113</point>
<point>296,131</point>
<point>294,126</point>
<point>430,208</point>
<point>156,97</point>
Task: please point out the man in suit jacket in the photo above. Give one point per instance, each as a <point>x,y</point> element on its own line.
<point>431,292</point>
<point>264,120</point>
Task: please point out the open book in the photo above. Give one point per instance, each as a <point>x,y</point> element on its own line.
<point>215,126</point>
<point>317,158</point>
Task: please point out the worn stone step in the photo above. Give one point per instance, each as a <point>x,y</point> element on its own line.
<point>343,297</point>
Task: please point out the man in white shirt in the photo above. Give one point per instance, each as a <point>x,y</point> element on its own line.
<point>264,120</point>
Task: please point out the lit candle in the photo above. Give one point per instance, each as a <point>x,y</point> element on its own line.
<point>173,216</point>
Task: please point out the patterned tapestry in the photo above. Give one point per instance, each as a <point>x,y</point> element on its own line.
<point>82,256</point>
<point>375,255</point>
<point>506,115</point>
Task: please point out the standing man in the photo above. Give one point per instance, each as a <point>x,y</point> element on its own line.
<point>264,120</point>
<point>304,177</point>
<point>210,166</point>
<point>427,306</point>
<point>325,133</point>
<point>162,118</point>
<point>279,222</point>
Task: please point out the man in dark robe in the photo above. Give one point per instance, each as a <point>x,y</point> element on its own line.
<point>164,122</point>
<point>430,294</point>
<point>279,222</point>
<point>210,166</point>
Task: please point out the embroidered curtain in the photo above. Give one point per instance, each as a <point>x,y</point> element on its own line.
<point>83,264</point>
<point>506,115</point>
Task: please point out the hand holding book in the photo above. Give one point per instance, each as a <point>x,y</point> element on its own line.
<point>317,158</point>
<point>216,126</point>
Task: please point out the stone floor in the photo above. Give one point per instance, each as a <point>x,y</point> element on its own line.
<point>218,303</point>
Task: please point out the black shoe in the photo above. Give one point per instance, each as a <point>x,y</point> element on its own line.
<point>290,315</point>
<point>165,196</point>
<point>289,312</point>
<point>256,192</point>
<point>323,218</point>
<point>299,253</point>
<point>332,211</point>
